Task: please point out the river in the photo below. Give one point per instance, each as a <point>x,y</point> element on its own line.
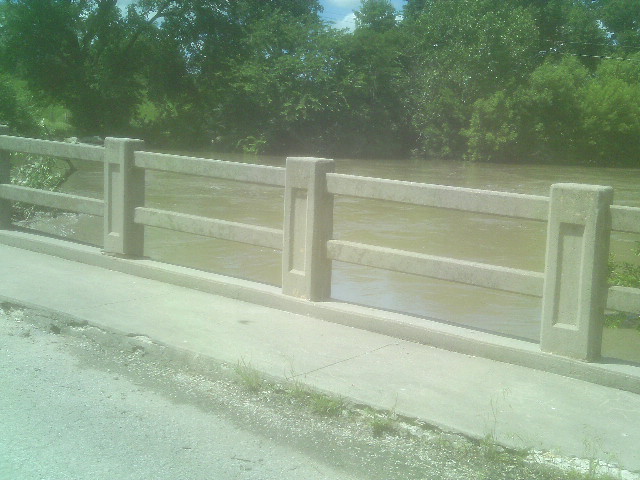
<point>488,239</point>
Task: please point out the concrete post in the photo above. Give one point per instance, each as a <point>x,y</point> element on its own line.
<point>5,177</point>
<point>123,192</point>
<point>308,225</point>
<point>575,283</point>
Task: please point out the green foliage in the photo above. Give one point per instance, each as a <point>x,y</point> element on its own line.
<point>280,89</point>
<point>625,274</point>
<point>383,425</point>
<point>43,173</point>
<point>622,18</point>
<point>610,112</point>
<point>252,145</point>
<point>81,54</point>
<point>376,15</point>
<point>622,320</point>
<point>326,405</point>
<point>15,110</point>
<point>371,119</point>
<point>318,403</point>
<point>539,121</point>
<point>249,377</point>
<point>27,114</point>
<point>466,50</point>
<point>564,113</point>
<point>492,80</point>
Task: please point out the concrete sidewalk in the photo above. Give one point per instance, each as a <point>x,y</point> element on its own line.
<point>521,407</point>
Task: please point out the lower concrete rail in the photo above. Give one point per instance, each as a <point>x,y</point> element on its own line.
<point>442,268</point>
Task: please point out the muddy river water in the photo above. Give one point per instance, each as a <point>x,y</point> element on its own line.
<point>488,239</point>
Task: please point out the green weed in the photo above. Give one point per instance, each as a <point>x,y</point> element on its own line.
<point>383,425</point>
<point>325,405</point>
<point>250,378</point>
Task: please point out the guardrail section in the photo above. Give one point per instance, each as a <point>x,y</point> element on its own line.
<point>63,201</point>
<point>580,220</point>
<point>530,207</point>
<point>221,229</point>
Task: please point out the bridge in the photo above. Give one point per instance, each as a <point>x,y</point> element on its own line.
<point>572,289</point>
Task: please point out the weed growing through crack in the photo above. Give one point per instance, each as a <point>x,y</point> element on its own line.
<point>250,378</point>
<point>319,403</point>
<point>381,422</point>
<point>383,425</point>
<point>325,405</point>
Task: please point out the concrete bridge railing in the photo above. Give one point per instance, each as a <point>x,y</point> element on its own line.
<point>580,219</point>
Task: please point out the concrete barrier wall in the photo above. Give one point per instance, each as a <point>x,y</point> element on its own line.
<point>580,218</point>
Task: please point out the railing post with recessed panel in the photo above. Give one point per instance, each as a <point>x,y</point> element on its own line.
<point>123,192</point>
<point>575,283</point>
<point>308,225</point>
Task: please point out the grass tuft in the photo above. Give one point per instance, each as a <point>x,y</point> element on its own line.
<point>250,378</point>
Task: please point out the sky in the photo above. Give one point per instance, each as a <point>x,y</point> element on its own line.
<point>340,12</point>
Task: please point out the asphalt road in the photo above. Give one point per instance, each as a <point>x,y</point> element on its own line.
<point>77,403</point>
<point>61,418</point>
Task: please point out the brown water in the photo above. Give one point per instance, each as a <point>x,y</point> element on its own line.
<point>488,239</point>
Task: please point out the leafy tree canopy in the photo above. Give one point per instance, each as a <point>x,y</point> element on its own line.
<point>498,80</point>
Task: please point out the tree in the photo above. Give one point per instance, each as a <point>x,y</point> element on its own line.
<point>622,19</point>
<point>372,64</point>
<point>376,15</point>
<point>15,109</point>
<point>282,90</point>
<point>539,121</point>
<point>413,9</point>
<point>610,112</point>
<point>82,53</point>
<point>464,50</point>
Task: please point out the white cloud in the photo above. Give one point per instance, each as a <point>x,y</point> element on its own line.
<point>344,3</point>
<point>348,22</point>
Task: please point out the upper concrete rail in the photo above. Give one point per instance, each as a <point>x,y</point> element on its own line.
<point>240,172</point>
<point>73,151</point>
<point>532,207</point>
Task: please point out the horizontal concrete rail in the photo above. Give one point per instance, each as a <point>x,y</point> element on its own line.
<point>208,227</point>
<point>624,299</point>
<point>257,174</point>
<point>531,207</point>
<point>459,271</point>
<point>625,219</point>
<point>62,201</point>
<point>48,148</point>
